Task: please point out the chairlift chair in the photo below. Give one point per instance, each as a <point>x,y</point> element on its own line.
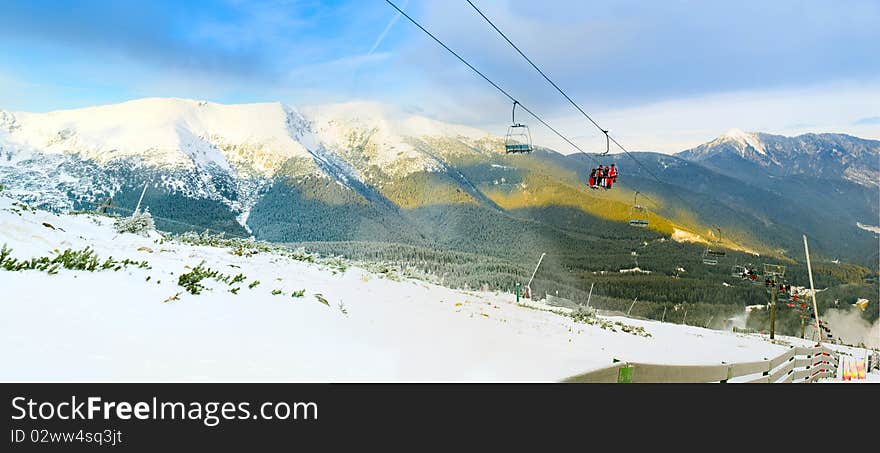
<point>637,215</point>
<point>744,272</point>
<point>708,260</point>
<point>519,139</point>
<point>712,251</point>
<point>774,270</point>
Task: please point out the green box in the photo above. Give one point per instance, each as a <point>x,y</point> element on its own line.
<point>625,375</point>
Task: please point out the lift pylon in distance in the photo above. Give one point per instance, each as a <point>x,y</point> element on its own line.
<point>518,139</point>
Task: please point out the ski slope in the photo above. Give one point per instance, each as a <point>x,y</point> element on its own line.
<point>117,326</point>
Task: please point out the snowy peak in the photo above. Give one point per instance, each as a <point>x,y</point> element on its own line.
<point>743,140</point>
<point>830,156</point>
<point>373,136</point>
<point>226,153</point>
<point>247,139</point>
<point>253,138</point>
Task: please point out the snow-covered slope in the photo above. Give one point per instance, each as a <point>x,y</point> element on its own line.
<point>139,324</point>
<point>744,140</point>
<point>195,148</point>
<point>166,133</point>
<point>212,151</point>
<point>378,138</point>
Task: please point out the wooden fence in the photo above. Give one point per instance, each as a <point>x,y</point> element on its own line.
<point>797,365</point>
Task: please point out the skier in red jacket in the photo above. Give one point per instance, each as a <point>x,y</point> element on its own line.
<point>611,177</point>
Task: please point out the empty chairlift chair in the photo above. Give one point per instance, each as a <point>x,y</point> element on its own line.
<point>519,139</point>
<point>713,251</point>
<point>709,260</point>
<point>774,270</point>
<point>638,217</point>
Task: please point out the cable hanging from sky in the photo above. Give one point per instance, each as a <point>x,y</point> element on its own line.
<point>487,79</point>
<point>567,97</point>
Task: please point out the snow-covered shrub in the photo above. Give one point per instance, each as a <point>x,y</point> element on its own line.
<point>139,223</point>
<point>589,315</point>
<point>584,314</point>
<point>80,260</point>
<point>192,280</point>
<point>248,247</point>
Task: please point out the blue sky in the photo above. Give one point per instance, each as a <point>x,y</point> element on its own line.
<point>662,75</point>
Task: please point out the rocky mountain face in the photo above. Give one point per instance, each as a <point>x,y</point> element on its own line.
<point>822,156</point>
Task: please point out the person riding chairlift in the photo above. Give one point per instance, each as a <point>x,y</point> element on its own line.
<point>600,177</point>
<point>611,177</point>
<point>592,180</point>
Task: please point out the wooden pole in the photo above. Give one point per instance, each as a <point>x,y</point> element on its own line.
<point>812,288</point>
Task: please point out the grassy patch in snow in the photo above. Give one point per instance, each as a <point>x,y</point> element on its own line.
<point>80,260</point>
<point>18,208</point>
<point>250,247</point>
<point>192,280</point>
<point>589,317</point>
<point>584,315</point>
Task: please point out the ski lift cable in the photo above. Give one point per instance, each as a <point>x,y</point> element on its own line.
<point>578,107</point>
<point>529,111</point>
<point>536,67</point>
<point>487,79</point>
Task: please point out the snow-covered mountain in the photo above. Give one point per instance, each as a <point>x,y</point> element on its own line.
<point>376,137</point>
<point>825,183</point>
<point>250,139</point>
<point>199,148</point>
<point>826,156</point>
<point>382,174</point>
<point>213,151</point>
<point>253,139</point>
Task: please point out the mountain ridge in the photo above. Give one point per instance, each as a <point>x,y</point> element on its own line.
<point>824,155</point>
<point>378,172</point>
